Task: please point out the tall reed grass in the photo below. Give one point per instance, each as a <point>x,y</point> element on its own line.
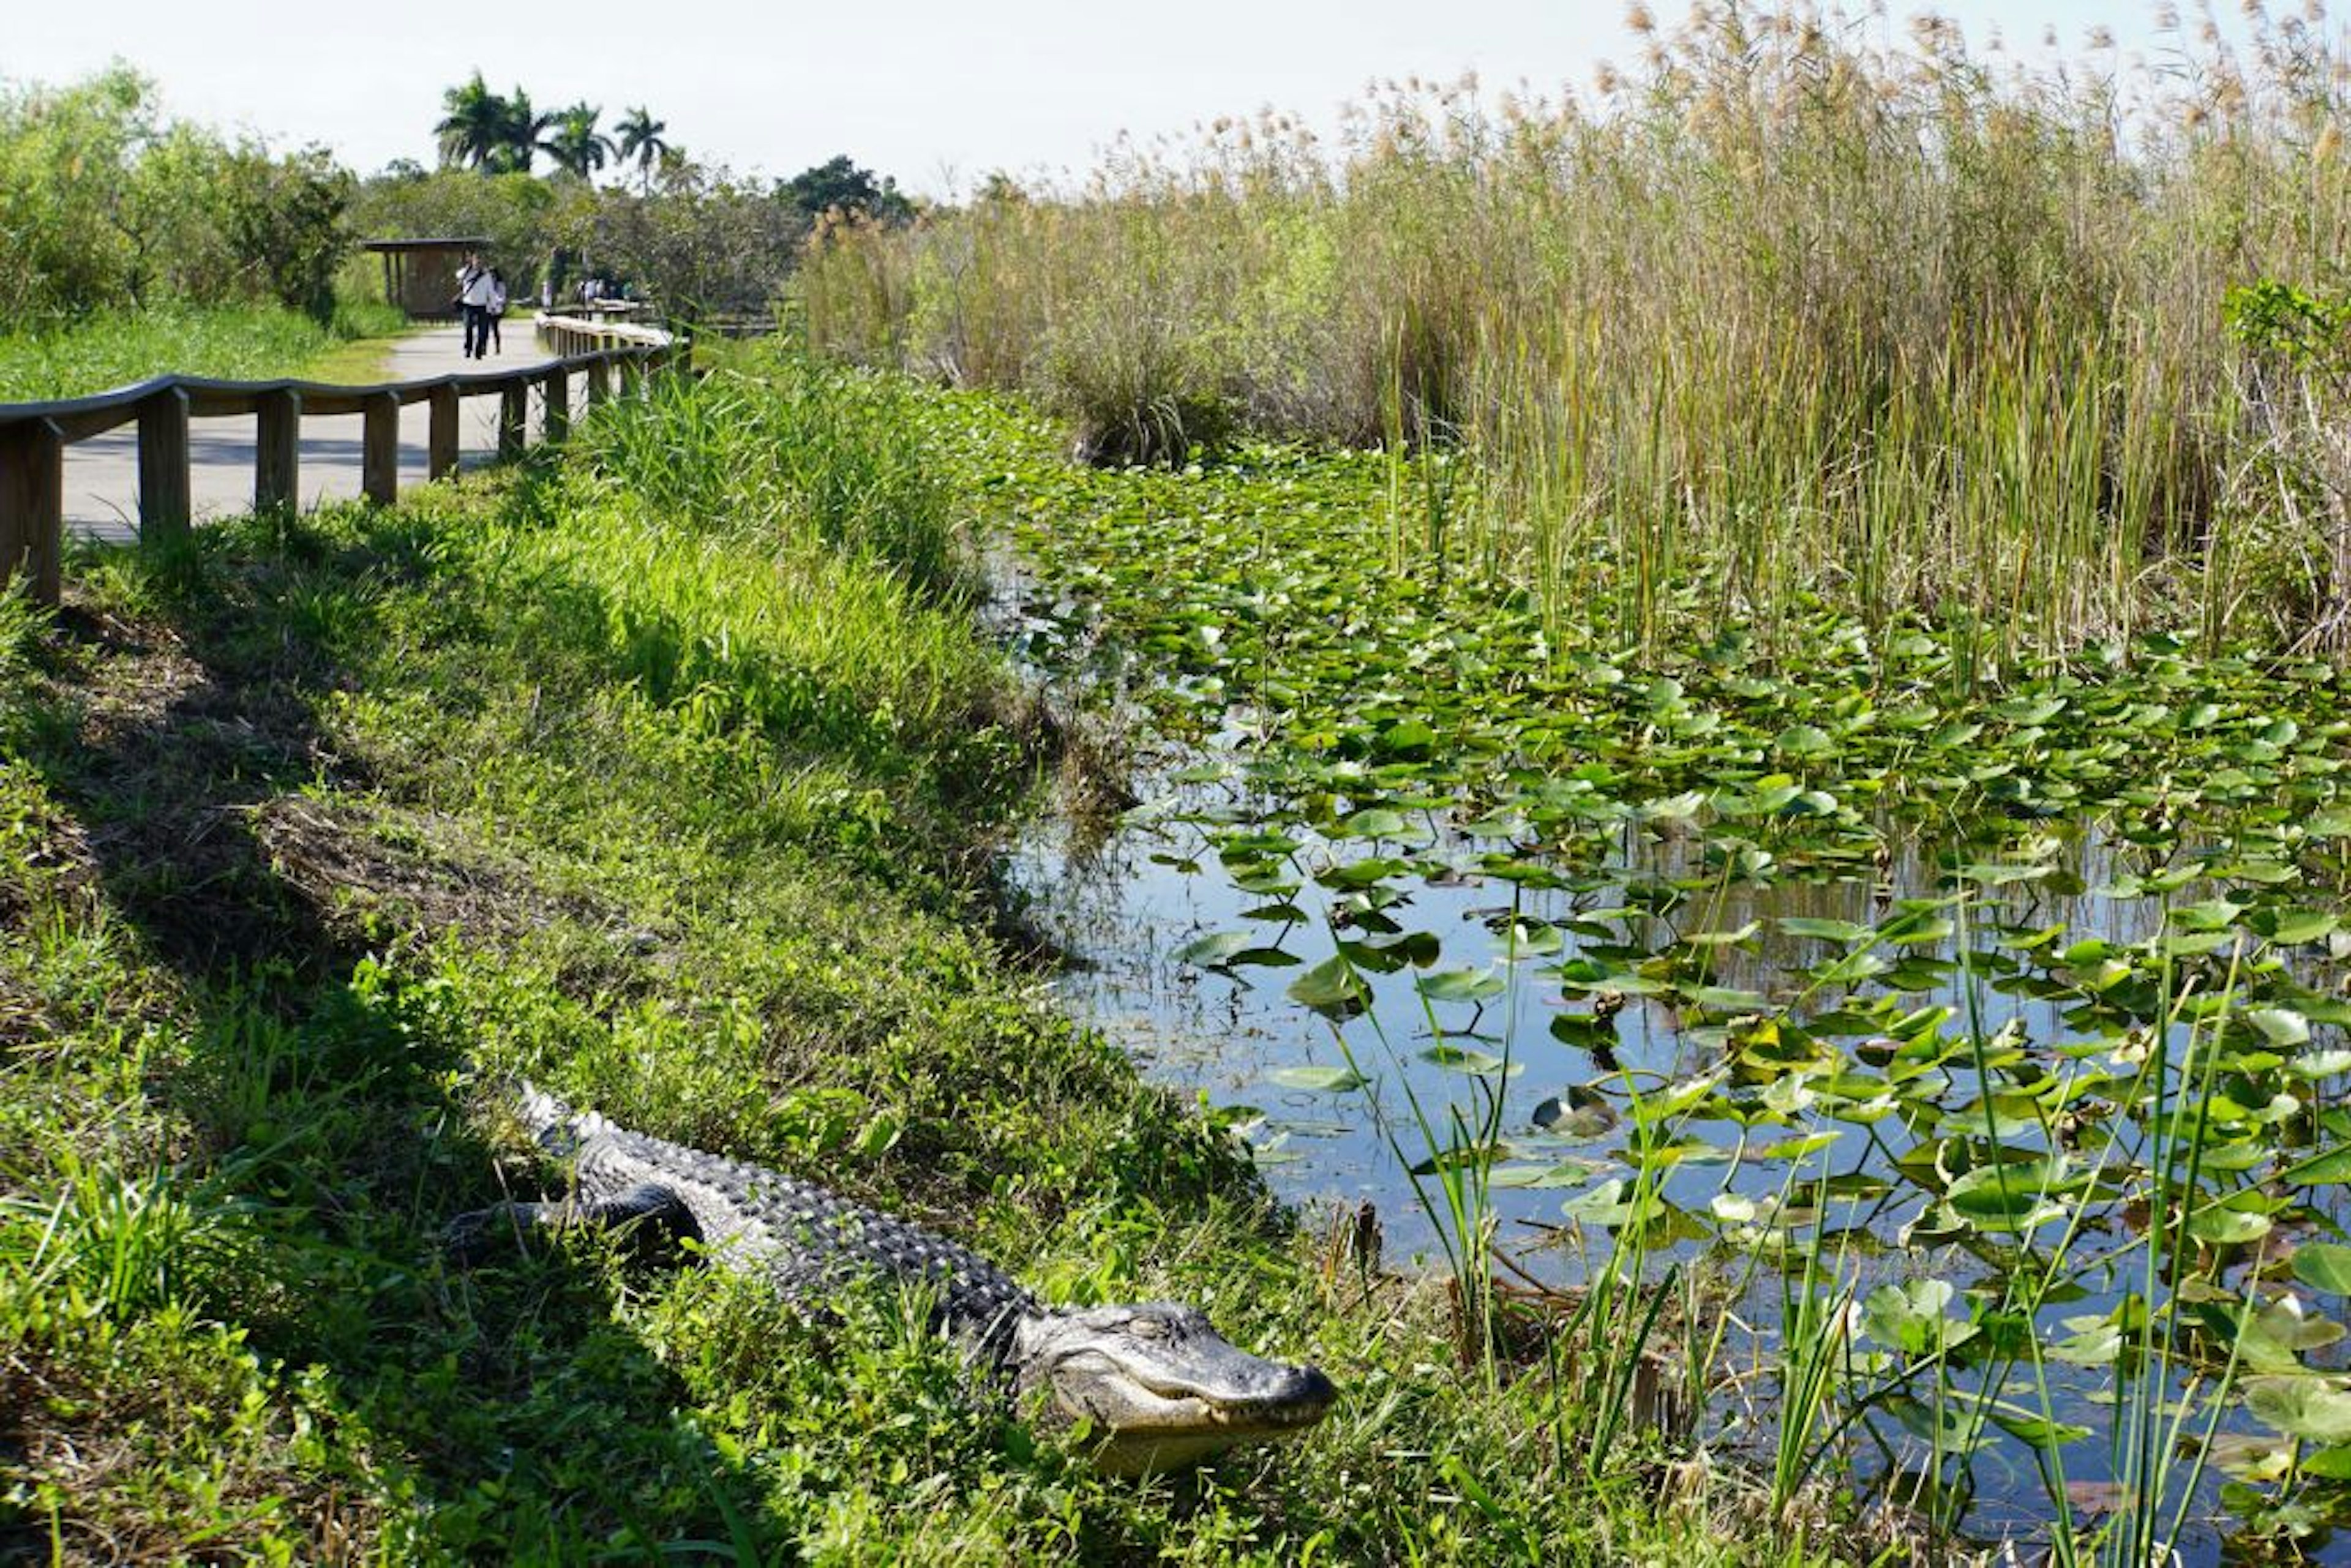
<point>1799,302</point>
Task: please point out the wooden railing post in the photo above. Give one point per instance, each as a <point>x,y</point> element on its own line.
<point>379,449</point>
<point>559,404</point>
<point>514,412</point>
<point>164,496</point>
<point>33,505</point>
<point>441,438</point>
<point>599,381</point>
<point>277,450</point>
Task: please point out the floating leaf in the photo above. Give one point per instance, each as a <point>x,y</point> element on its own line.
<point>1566,1173</point>
<point>1322,1080</point>
<point>1211,951</point>
<point>2332,1168</point>
<point>1463,985</point>
<point>1461,1157</point>
<point>1805,740</point>
<point>2228,1226</point>
<point>1331,985</point>
<point>2324,1265</point>
<point>2310,1408</point>
<point>1914,1317</point>
<point>2314,1065</point>
<point>2100,1345</point>
<point>1582,1112</point>
<point>1826,930</point>
<point>2030,1426</point>
<point>2279,1026</point>
<point>1469,1059</point>
<point>1362,873</point>
<point>2293,926</point>
<point>2007,1196</point>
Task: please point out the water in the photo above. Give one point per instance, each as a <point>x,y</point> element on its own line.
<point>1126,906</point>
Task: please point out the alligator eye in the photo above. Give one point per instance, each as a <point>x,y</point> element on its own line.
<point>1148,1328</point>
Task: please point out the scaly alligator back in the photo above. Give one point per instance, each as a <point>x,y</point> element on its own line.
<point>803,1237</point>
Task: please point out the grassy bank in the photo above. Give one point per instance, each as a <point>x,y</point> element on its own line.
<point>237,343</point>
<point>670,778</point>
<point>1837,307</point>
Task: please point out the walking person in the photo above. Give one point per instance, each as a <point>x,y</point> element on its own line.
<point>497,310</point>
<point>466,273</point>
<point>474,298</point>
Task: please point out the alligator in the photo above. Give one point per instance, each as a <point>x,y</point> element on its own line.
<point>1160,1387</point>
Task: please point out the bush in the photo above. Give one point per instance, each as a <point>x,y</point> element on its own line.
<point>107,206</point>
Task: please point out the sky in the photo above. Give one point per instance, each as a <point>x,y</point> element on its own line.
<point>936,93</point>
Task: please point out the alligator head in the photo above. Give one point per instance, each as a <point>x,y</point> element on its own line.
<point>1162,1385</point>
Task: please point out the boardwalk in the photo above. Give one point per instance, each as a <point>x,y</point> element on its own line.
<point>101,475</point>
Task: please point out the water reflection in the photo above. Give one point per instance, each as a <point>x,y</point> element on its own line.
<point>1129,905</point>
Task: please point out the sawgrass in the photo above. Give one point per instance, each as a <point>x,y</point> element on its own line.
<point>672,783</point>
<point>1830,308</point>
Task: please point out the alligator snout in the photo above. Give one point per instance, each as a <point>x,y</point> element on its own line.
<point>1305,1397</point>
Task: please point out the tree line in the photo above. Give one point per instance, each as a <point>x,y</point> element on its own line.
<point>505,133</point>
<point>107,203</point>
<point>694,234</point>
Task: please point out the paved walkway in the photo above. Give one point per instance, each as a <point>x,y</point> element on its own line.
<point>102,500</point>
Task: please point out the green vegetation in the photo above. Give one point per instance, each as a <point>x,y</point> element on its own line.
<point>666,775</point>
<point>107,206</point>
<point>1948,1034</point>
<point>1805,307</point>
<point>1767,745</point>
<point>252,343</point>
<point>139,247</point>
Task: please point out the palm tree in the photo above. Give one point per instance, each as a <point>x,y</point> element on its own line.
<point>473,131</point>
<point>641,139</point>
<point>575,143</point>
<point>519,132</point>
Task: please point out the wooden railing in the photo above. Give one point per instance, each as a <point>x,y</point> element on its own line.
<point>33,435</point>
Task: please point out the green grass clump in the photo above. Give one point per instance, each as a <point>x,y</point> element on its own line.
<point>234,343</point>
<point>668,776</point>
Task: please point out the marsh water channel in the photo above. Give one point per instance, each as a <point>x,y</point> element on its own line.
<point>1945,1095</point>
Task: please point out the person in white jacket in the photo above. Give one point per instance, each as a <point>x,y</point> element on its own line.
<point>496,314</point>
<point>476,288</point>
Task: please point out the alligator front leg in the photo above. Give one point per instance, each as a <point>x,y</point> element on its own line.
<point>650,1213</point>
